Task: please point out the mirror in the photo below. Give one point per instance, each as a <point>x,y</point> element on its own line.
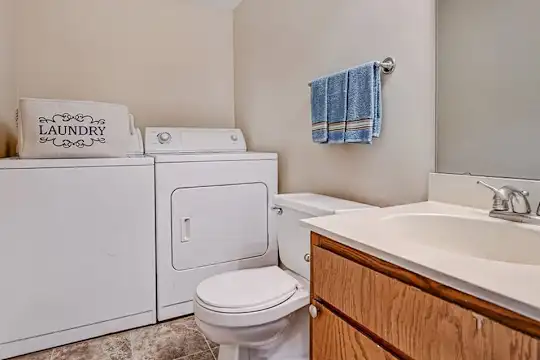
<point>488,96</point>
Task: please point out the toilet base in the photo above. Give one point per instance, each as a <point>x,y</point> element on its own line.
<point>293,343</point>
<point>230,352</point>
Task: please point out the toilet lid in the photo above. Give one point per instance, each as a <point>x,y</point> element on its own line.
<point>247,290</point>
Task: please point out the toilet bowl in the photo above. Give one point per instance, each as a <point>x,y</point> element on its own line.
<point>261,313</point>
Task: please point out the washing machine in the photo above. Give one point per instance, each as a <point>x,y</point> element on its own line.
<point>77,250</point>
<point>213,210</point>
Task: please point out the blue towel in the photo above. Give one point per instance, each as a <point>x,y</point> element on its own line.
<point>377,121</point>
<point>319,110</point>
<point>364,104</point>
<point>337,107</point>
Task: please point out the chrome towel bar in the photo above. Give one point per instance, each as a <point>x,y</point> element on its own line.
<point>388,65</point>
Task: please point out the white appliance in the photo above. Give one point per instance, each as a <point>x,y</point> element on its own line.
<point>77,255</point>
<point>262,313</point>
<point>213,210</point>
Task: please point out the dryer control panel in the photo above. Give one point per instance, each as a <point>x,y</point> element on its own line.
<point>171,140</point>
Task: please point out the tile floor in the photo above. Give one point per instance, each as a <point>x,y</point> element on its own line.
<point>174,340</point>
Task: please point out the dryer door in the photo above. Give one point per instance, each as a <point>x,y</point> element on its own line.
<point>217,224</point>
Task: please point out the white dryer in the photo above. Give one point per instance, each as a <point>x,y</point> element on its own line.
<point>213,210</point>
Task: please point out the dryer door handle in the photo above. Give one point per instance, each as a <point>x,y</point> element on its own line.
<point>185,225</point>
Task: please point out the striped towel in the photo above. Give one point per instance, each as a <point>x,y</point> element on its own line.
<point>364,104</point>
<point>337,107</point>
<point>319,110</point>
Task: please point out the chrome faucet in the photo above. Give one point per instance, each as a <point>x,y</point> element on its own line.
<point>506,201</point>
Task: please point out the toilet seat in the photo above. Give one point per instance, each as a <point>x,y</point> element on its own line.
<point>246,291</point>
<point>281,304</point>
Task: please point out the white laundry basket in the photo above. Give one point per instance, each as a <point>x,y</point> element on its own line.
<point>72,129</point>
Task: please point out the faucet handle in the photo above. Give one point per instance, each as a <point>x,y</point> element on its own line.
<point>500,199</point>
<point>486,185</point>
<point>507,197</point>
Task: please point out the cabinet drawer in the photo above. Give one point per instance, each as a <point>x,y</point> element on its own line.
<point>422,326</point>
<point>333,338</point>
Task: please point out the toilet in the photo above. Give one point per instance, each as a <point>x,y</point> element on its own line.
<point>262,313</point>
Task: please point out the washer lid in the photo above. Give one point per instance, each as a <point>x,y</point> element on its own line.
<point>247,290</point>
<point>17,163</point>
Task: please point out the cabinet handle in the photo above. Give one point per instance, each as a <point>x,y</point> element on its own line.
<point>313,311</point>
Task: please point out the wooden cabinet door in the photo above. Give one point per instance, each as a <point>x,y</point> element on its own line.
<point>420,325</point>
<point>333,339</point>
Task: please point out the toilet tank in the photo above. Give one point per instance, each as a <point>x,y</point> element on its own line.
<point>293,239</point>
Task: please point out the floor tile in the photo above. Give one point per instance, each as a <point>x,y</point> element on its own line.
<point>211,344</point>
<point>81,350</point>
<point>117,347</point>
<point>113,347</point>
<point>177,339</point>
<point>215,351</point>
<point>168,341</point>
<point>190,323</point>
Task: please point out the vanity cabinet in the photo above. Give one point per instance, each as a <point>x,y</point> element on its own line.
<point>342,341</point>
<point>366,308</point>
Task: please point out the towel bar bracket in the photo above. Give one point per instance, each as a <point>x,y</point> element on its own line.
<point>388,65</point>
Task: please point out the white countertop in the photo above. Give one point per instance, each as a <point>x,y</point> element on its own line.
<point>510,285</point>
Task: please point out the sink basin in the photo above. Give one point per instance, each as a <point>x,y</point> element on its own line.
<point>489,239</point>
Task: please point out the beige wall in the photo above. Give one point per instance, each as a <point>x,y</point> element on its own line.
<point>280,45</point>
<point>489,87</point>
<point>7,77</point>
<point>170,61</point>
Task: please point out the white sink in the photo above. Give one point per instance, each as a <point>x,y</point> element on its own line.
<point>490,239</point>
<point>457,246</point>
